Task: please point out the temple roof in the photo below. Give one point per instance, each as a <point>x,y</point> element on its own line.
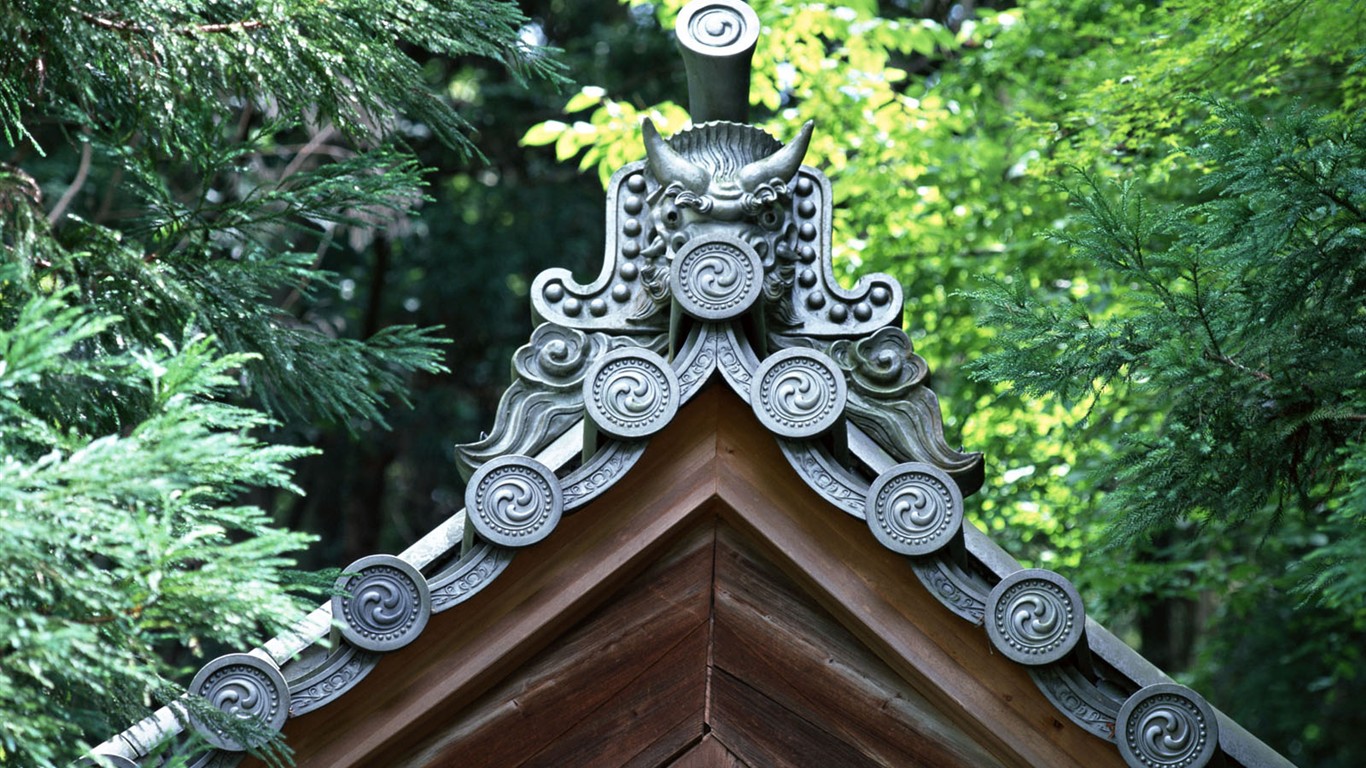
<point>715,345</point>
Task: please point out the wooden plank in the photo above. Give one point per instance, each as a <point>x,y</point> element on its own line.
<point>601,661</point>
<point>762,732</point>
<point>464,652</point>
<point>660,713</point>
<point>708,753</point>
<point>769,633</point>
<point>873,593</point>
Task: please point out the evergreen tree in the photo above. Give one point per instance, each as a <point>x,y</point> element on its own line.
<point>175,175</point>
<point>1228,338</point>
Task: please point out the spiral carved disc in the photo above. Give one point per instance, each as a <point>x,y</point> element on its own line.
<point>1035,616</point>
<point>717,278</point>
<point>914,509</point>
<point>246,687</point>
<point>1167,726</point>
<point>514,501</point>
<point>631,393</point>
<point>383,605</point>
<point>718,27</point>
<point>798,393</point>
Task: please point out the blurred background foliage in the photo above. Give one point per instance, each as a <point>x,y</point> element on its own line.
<point>974,148</point>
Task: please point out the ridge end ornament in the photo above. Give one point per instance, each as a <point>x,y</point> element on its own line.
<point>246,687</point>
<point>1166,725</point>
<point>914,509</point>
<point>717,40</point>
<point>383,603</point>
<point>798,393</point>
<point>514,501</point>
<point>631,393</point>
<point>1035,616</point>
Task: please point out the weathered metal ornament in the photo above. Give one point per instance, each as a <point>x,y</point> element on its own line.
<point>246,687</point>
<point>717,278</point>
<point>914,509</point>
<point>631,393</point>
<point>383,604</point>
<point>514,501</point>
<point>1167,726</point>
<point>1035,616</point>
<point>798,393</point>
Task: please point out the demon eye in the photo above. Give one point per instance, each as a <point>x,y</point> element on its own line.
<point>771,219</point>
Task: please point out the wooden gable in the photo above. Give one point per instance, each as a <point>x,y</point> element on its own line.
<point>708,610</point>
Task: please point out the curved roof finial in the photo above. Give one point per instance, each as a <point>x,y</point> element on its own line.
<point>717,38</point>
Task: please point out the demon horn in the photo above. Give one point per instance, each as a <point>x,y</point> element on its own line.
<point>782,164</point>
<point>669,166</point>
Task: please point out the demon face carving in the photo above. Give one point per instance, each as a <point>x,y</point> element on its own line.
<point>723,180</point>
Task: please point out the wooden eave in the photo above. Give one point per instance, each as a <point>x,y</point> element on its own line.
<point>714,475</point>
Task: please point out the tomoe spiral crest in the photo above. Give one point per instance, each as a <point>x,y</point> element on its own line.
<point>1035,616</point>
<point>798,393</point>
<point>717,278</point>
<point>383,604</point>
<point>1167,726</point>
<point>514,501</point>
<point>631,393</point>
<point>246,687</point>
<point>914,509</point>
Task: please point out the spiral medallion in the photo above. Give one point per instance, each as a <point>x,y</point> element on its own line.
<point>717,278</point>
<point>631,393</point>
<point>514,501</point>
<point>717,27</point>
<point>798,393</point>
<point>1035,616</point>
<point>1167,726</point>
<point>246,687</point>
<point>914,509</point>
<point>383,603</point>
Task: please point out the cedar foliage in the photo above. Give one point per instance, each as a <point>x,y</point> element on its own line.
<point>173,175</point>
<point>1241,337</point>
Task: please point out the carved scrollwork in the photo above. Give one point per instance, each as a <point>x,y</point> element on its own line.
<point>631,393</point>
<point>883,364</point>
<point>838,485</point>
<point>889,398</point>
<point>1078,698</point>
<point>245,687</point>
<point>383,604</point>
<point>606,467</point>
<point>798,393</point>
<point>1167,726</point>
<point>736,361</point>
<point>717,278</point>
<point>514,501</point>
<point>344,668</point>
<point>914,509</point>
<point>464,578</point>
<point>697,360</point>
<point>546,395</point>
<point>948,583</point>
<point>1035,616</point>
